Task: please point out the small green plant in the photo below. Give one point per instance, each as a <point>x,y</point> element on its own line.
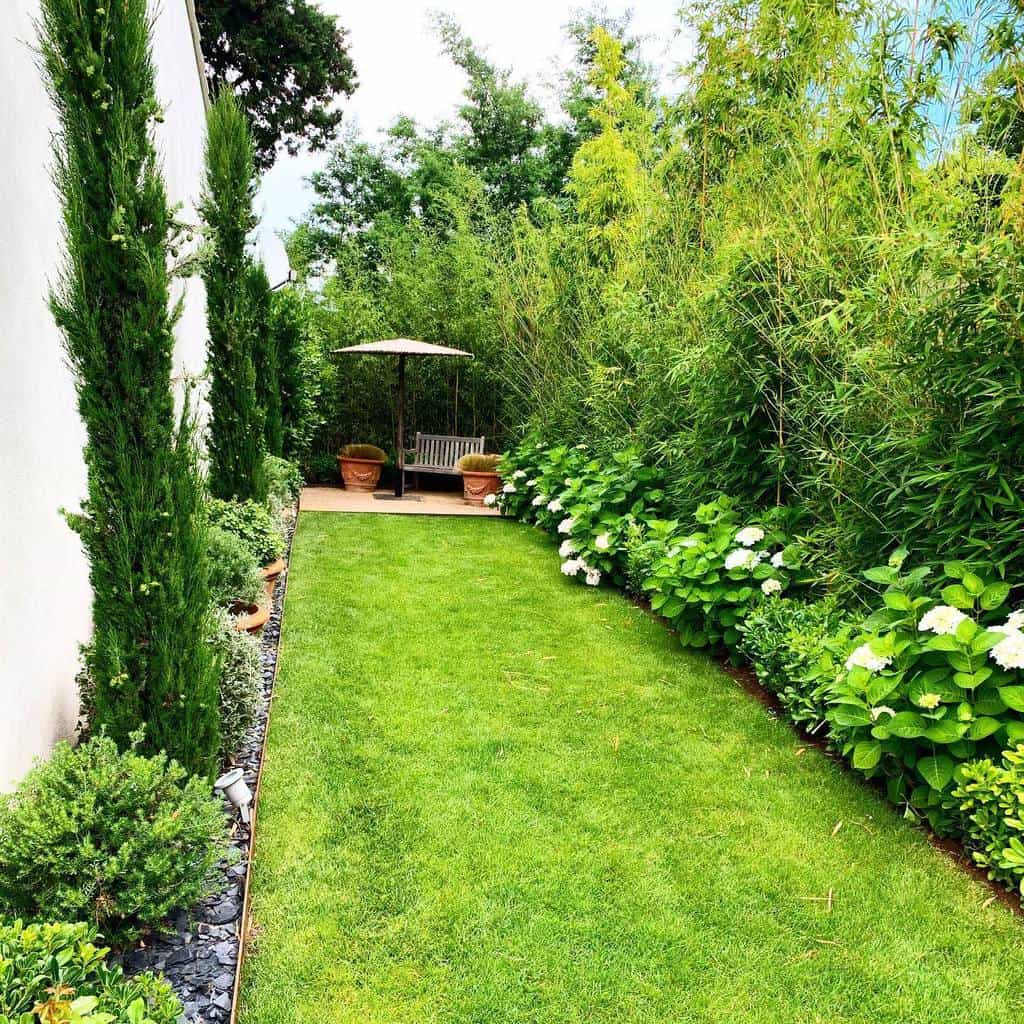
<point>364,451</point>
<point>707,581</point>
<point>57,974</point>
<point>117,839</point>
<point>284,480</point>
<point>475,462</point>
<point>234,571</point>
<point>933,680</point>
<point>320,468</point>
<point>797,649</point>
<point>252,523</point>
<point>240,681</point>
<point>989,801</point>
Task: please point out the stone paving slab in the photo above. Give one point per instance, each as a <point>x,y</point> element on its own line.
<point>415,503</point>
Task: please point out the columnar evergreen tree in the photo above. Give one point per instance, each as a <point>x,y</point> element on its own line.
<point>141,524</point>
<point>298,370</point>
<point>235,441</point>
<point>265,361</point>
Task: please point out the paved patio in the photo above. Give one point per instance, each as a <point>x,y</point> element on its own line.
<point>415,503</point>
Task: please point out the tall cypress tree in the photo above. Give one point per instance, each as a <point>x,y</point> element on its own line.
<point>141,524</point>
<point>265,359</point>
<point>235,440</point>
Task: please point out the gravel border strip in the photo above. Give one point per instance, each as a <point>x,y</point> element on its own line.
<point>200,951</point>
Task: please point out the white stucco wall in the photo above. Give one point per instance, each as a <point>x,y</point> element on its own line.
<point>45,596</point>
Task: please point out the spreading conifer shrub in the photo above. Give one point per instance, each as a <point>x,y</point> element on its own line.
<point>59,972</point>
<point>141,523</point>
<point>115,838</point>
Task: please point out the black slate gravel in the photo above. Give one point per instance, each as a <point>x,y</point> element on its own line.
<point>198,951</point>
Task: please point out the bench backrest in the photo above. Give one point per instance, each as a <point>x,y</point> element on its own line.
<point>444,450</point>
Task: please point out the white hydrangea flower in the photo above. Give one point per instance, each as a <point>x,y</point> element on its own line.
<point>566,525</point>
<point>770,587</point>
<point>490,500</point>
<point>593,577</point>
<point>777,560</point>
<point>882,709</point>
<point>1014,621</point>
<point>509,489</point>
<point>603,541</point>
<point>554,505</point>
<point>929,701</point>
<point>1009,652</point>
<point>539,500</point>
<point>568,481</point>
<point>941,619</point>
<point>864,657</point>
<point>566,549</point>
<point>571,566</point>
<point>739,558</point>
<point>531,483</point>
<point>749,536</point>
<point>519,474</point>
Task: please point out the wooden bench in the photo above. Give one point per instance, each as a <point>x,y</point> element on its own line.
<point>440,453</point>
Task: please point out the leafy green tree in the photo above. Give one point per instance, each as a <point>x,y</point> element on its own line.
<point>286,60</point>
<point>141,525</point>
<point>235,440</point>
<point>299,370</point>
<point>503,124</point>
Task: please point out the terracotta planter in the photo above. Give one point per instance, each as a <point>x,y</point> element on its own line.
<point>272,571</point>
<point>476,486</point>
<point>250,618</point>
<point>359,474</point>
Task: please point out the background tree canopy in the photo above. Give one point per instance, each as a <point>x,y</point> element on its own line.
<point>794,280</point>
<point>287,62</point>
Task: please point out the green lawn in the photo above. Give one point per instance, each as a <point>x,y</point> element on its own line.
<point>492,795</point>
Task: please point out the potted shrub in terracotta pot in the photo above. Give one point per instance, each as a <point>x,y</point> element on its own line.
<point>360,466</point>
<point>479,477</point>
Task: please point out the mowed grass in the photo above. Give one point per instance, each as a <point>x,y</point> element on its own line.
<point>492,795</point>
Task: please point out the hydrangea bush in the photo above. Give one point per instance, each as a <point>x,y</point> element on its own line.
<point>934,680</point>
<point>588,503</point>
<point>706,581</point>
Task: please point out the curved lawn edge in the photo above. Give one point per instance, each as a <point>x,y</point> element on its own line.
<point>490,794</point>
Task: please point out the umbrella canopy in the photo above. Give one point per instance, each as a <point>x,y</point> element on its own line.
<point>401,347</point>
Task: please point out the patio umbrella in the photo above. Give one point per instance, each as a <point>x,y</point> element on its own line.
<point>402,347</point>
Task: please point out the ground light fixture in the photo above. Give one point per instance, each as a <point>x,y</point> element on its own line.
<point>234,787</point>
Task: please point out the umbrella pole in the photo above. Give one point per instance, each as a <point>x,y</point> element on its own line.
<point>400,481</point>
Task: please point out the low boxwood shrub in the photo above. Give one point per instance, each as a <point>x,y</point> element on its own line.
<point>797,649</point>
<point>233,569</point>
<point>240,681</point>
<point>933,680</point>
<point>252,523</point>
<point>58,973</point>
<point>115,838</point>
<point>707,581</point>
<point>989,802</point>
